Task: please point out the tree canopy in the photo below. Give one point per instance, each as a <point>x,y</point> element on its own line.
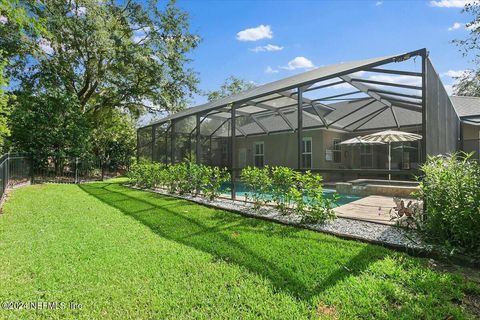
<point>468,84</point>
<point>85,70</point>
<point>107,55</point>
<point>232,85</point>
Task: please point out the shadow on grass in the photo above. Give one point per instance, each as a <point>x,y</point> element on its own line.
<point>297,262</point>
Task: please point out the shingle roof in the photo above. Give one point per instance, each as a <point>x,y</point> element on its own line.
<point>342,118</point>
<point>466,106</point>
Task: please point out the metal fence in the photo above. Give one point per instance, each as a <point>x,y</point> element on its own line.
<point>18,168</point>
<point>74,170</point>
<point>15,168</point>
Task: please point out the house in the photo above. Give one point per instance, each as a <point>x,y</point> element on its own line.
<point>468,110</point>
<point>300,121</point>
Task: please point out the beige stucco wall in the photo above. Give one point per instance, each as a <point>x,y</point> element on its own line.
<point>471,139</point>
<point>281,149</point>
<point>471,132</point>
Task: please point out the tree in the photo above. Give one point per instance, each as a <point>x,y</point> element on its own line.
<point>15,23</point>
<point>112,140</point>
<point>96,67</point>
<point>232,85</point>
<point>131,57</point>
<point>49,125</point>
<point>468,84</point>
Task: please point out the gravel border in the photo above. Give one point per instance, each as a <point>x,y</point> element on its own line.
<point>387,235</point>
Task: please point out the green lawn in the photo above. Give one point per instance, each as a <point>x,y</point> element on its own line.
<point>124,253</point>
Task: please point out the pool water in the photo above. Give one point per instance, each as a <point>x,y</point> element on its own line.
<point>242,190</point>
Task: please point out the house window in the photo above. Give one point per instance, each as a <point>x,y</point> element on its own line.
<point>307,153</point>
<point>366,156</point>
<point>337,152</point>
<point>259,154</point>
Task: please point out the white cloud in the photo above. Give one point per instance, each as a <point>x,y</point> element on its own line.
<point>299,63</point>
<point>46,46</point>
<point>3,19</point>
<point>449,89</point>
<point>77,10</point>
<point>449,3</point>
<point>473,26</point>
<point>468,26</point>
<point>141,34</point>
<point>407,80</point>
<point>456,26</point>
<point>268,47</point>
<point>454,73</point>
<point>81,11</point>
<point>378,3</point>
<point>254,34</point>
<point>271,70</point>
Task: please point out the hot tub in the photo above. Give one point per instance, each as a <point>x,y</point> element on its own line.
<point>366,187</point>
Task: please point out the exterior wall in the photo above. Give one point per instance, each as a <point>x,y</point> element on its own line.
<point>471,140</point>
<point>470,132</point>
<point>281,149</point>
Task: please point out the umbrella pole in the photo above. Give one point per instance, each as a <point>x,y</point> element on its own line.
<point>389,160</point>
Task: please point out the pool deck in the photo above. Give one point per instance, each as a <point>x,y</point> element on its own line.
<point>371,208</point>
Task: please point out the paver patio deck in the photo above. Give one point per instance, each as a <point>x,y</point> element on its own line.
<point>372,208</point>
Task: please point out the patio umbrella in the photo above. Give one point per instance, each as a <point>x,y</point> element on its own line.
<point>359,140</point>
<point>390,136</point>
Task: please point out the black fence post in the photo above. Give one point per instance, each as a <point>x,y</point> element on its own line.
<point>76,170</point>
<point>31,173</point>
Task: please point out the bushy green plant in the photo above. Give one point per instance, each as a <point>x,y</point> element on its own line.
<point>195,177</point>
<point>286,186</point>
<point>258,182</point>
<point>213,179</point>
<point>450,189</point>
<point>282,180</point>
<point>182,178</point>
<point>145,175</point>
<point>133,174</point>
<point>319,207</point>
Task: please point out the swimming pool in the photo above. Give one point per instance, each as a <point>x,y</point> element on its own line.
<point>241,191</point>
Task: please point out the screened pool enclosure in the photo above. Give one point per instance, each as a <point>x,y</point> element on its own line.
<point>300,122</point>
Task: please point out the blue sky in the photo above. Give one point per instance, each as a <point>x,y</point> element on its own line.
<point>318,33</point>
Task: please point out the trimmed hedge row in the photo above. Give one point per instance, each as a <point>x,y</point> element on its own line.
<point>181,178</point>
<point>290,191</point>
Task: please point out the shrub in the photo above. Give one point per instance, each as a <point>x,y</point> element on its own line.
<point>213,179</point>
<point>183,178</point>
<point>319,207</point>
<point>145,175</point>
<point>258,182</point>
<point>282,180</point>
<point>134,175</point>
<point>195,176</point>
<point>286,186</point>
<point>179,178</point>
<point>304,190</point>
<point>451,191</point>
